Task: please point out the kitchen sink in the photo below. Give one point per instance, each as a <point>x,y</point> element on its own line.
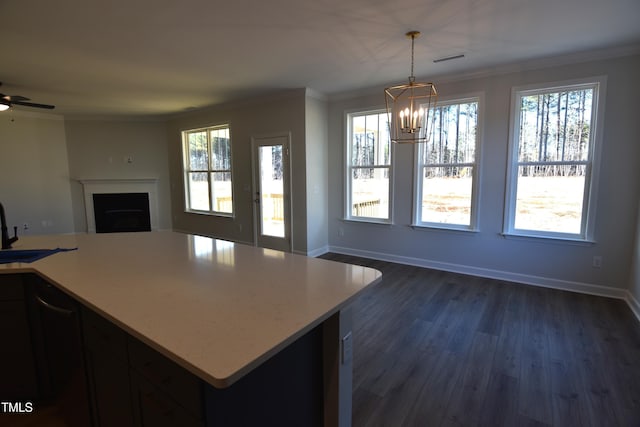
<point>24,255</point>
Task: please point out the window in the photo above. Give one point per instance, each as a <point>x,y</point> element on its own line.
<point>551,175</point>
<point>207,170</point>
<point>368,167</point>
<point>446,167</point>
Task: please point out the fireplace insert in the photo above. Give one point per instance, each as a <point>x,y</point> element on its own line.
<point>121,212</point>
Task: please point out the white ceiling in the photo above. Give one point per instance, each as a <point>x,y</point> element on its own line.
<point>150,57</point>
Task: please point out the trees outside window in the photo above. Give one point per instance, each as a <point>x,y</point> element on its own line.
<point>446,167</point>
<point>552,150</point>
<point>207,169</point>
<point>368,160</point>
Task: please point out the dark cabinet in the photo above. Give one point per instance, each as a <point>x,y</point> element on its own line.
<point>17,365</point>
<point>57,337</point>
<point>132,384</point>
<point>164,394</point>
<point>108,371</point>
<point>155,408</point>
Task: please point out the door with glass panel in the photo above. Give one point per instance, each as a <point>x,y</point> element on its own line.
<point>272,201</point>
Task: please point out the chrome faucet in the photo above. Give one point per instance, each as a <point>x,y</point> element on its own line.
<point>6,240</point>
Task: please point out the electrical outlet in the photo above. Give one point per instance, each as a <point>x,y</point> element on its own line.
<point>597,261</point>
<point>25,226</point>
<point>347,349</point>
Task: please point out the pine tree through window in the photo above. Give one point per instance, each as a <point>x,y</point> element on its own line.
<point>207,169</point>
<point>552,152</point>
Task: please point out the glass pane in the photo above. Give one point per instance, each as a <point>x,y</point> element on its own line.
<point>370,143</point>
<point>198,155</point>
<point>198,191</point>
<point>370,193</point>
<point>453,137</point>
<point>221,192</point>
<point>555,126</point>
<point>446,195</point>
<point>271,191</point>
<point>220,149</point>
<point>550,198</point>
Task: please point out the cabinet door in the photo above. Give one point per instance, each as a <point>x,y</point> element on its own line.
<point>57,332</point>
<point>154,408</point>
<point>17,365</point>
<point>110,386</point>
<point>108,371</point>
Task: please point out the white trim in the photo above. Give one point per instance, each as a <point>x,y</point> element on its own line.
<point>210,184</point>
<point>598,83</point>
<point>633,304</point>
<point>545,282</point>
<point>317,252</point>
<point>109,186</point>
<point>348,119</point>
<point>418,167</point>
<point>287,155</point>
<point>526,279</point>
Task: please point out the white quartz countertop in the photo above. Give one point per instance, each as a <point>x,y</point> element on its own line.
<point>217,308</point>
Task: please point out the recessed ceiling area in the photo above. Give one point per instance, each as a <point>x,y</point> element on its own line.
<point>150,58</point>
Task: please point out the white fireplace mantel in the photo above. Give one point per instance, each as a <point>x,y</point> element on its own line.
<point>129,185</point>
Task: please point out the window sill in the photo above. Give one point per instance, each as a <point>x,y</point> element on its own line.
<point>368,221</point>
<point>434,227</point>
<point>205,213</point>
<point>549,239</point>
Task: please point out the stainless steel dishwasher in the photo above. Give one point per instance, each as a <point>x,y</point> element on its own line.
<point>59,352</point>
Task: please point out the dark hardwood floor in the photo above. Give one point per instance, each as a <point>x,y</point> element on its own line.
<point>433,348</point>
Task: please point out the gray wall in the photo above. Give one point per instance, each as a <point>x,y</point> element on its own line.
<point>280,113</point>
<point>487,252</point>
<point>97,150</point>
<point>316,119</point>
<point>42,153</point>
<point>34,173</point>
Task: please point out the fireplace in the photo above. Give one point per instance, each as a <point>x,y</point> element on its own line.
<point>131,204</point>
<point>121,212</point>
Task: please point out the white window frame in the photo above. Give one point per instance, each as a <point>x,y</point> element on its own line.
<point>349,168</point>
<point>419,165</point>
<point>586,233</point>
<point>186,170</point>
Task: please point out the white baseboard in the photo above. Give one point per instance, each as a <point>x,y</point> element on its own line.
<point>317,252</point>
<point>565,285</point>
<point>633,304</point>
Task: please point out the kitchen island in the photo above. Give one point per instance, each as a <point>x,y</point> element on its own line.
<point>219,310</point>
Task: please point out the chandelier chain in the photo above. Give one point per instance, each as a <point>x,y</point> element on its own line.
<point>413,38</point>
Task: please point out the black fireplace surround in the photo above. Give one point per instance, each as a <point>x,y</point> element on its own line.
<point>121,212</point>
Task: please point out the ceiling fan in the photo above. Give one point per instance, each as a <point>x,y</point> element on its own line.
<point>6,101</point>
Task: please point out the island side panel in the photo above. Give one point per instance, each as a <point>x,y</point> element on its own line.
<point>285,390</point>
<point>338,368</point>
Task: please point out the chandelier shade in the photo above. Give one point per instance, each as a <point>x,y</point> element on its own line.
<point>409,107</point>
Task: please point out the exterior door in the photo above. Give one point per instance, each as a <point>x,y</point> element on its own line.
<point>272,190</point>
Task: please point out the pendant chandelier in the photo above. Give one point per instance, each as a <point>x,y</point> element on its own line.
<point>409,107</point>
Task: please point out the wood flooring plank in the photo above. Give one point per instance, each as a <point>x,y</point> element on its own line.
<point>430,405</point>
<point>500,406</point>
<point>495,307</point>
<point>534,397</point>
<point>433,348</point>
<point>509,350</point>
<point>570,402</point>
<point>363,405</point>
<point>470,391</point>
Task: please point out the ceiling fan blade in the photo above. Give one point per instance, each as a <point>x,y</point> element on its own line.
<point>16,98</point>
<point>32,104</point>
